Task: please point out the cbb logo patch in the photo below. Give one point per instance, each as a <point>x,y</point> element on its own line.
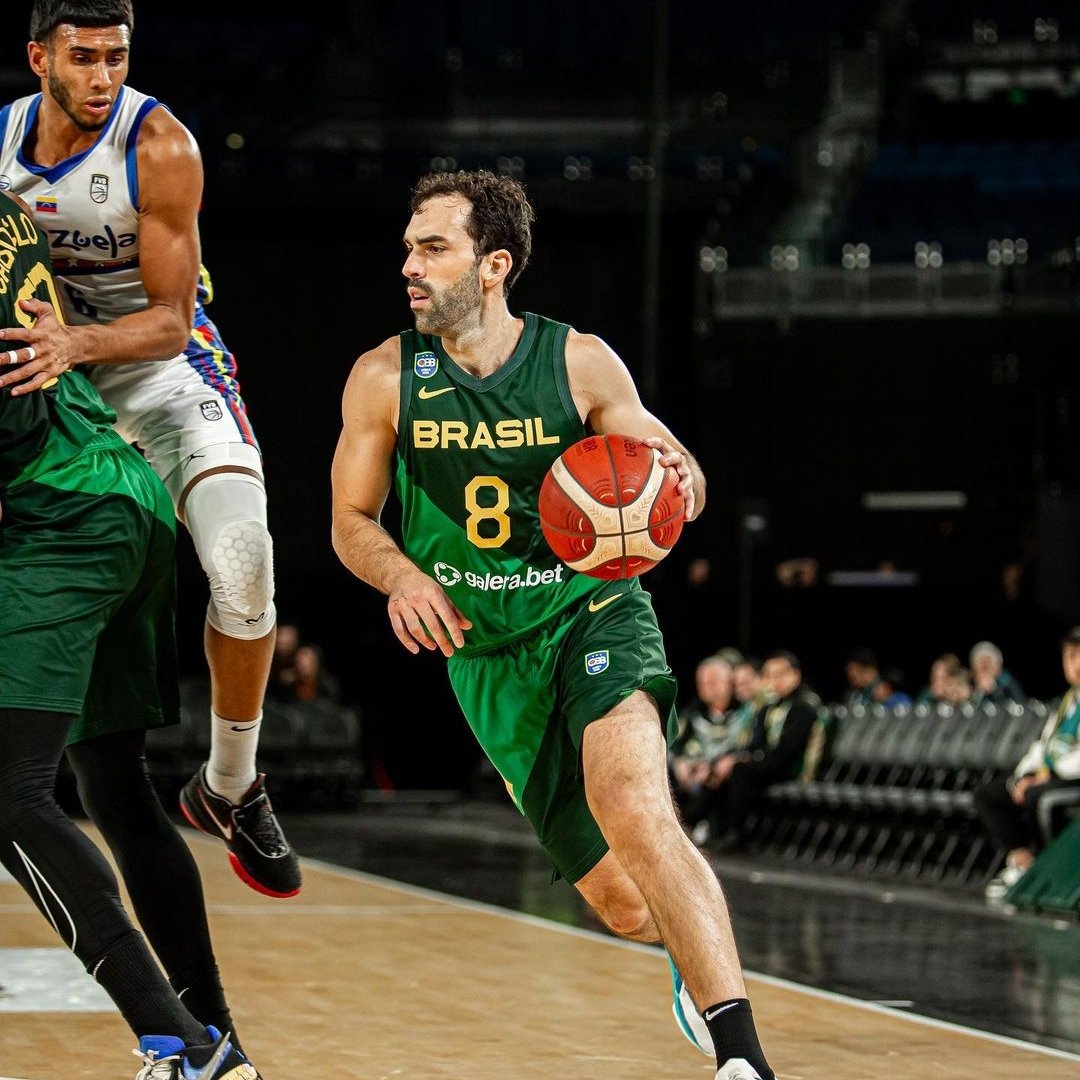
<point>595,662</point>
<point>425,364</point>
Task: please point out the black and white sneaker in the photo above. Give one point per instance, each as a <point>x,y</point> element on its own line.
<point>738,1069</point>
<point>165,1057</point>
<point>258,850</point>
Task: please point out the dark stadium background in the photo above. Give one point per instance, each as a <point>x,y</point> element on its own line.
<point>648,134</point>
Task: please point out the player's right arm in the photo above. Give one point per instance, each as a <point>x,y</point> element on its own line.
<point>608,400</point>
<point>421,613</point>
<point>170,176</point>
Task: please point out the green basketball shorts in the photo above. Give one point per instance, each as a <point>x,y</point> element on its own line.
<point>528,703</point>
<point>88,595</point>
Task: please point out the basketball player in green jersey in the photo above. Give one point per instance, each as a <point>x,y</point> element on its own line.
<point>88,661</point>
<point>562,677</point>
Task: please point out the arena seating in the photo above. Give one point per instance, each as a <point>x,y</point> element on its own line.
<point>893,794</point>
<point>311,751</point>
<point>965,195</point>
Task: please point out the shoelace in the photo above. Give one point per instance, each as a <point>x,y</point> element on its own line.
<point>155,1066</point>
<point>257,820</point>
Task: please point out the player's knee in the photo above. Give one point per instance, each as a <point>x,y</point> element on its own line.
<point>629,919</point>
<point>618,901</point>
<point>241,574</point>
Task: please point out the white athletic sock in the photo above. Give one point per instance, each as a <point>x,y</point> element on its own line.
<point>230,770</point>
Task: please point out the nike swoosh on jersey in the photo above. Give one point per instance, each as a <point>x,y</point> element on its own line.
<point>594,606</point>
<point>424,393</point>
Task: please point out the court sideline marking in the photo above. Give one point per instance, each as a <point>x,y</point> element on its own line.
<point>653,950</point>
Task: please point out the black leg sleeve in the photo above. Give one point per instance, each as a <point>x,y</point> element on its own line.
<point>157,866</point>
<point>60,868</point>
<point>70,880</point>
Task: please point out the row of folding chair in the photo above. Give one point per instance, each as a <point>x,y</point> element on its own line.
<point>287,727</point>
<point>895,792</point>
<point>311,750</point>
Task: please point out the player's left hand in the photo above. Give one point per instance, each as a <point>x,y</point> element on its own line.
<point>676,459</point>
<point>44,353</point>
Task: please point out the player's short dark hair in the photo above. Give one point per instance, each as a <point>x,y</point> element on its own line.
<point>501,214</point>
<point>1071,637</point>
<point>47,15</point>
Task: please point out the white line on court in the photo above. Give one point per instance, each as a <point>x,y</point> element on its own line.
<point>596,935</point>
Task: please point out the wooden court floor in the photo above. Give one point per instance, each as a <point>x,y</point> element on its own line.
<point>359,977</point>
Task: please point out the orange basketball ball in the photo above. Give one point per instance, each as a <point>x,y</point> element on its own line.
<point>609,509</point>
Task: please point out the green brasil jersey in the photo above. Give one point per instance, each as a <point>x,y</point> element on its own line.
<point>47,428</point>
<point>471,456</point>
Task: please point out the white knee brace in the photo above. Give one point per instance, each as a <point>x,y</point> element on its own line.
<point>226,516</point>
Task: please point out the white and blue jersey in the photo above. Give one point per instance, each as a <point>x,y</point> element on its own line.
<point>186,414</point>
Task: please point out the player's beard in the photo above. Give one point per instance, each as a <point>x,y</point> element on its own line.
<point>448,308</point>
<point>62,97</point>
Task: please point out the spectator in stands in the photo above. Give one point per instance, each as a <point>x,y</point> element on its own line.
<point>990,680</point>
<point>731,654</point>
<point>958,688</point>
<point>750,690</point>
<point>1021,813</point>
<point>314,682</point>
<point>889,690</point>
<point>716,724</point>
<point>800,573</point>
<point>862,674</point>
<point>750,695</point>
<point>281,664</point>
<point>306,677</point>
<point>704,732</point>
<point>943,670</point>
<point>774,752</point>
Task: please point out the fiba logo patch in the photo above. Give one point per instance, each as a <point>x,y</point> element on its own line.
<point>425,364</point>
<point>595,662</point>
<point>99,187</point>
<point>446,574</point>
<point>5,182</point>
<point>211,410</point>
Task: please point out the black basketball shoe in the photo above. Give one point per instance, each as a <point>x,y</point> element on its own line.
<point>258,850</point>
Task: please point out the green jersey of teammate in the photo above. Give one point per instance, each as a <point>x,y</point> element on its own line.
<point>87,536</point>
<point>41,430</point>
